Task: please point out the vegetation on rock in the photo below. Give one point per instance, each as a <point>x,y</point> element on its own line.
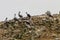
<point>41,27</point>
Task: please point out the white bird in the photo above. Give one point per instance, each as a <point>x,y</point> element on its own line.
<point>49,14</point>
<point>20,14</point>
<point>27,24</point>
<point>28,15</point>
<point>6,19</point>
<point>15,17</point>
<point>6,22</point>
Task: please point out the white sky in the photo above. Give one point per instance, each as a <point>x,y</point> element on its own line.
<point>34,7</point>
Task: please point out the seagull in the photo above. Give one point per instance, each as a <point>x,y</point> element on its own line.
<point>15,17</point>
<point>28,15</point>
<point>49,14</point>
<point>20,15</point>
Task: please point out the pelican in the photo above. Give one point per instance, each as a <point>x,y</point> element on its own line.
<point>6,19</point>
<point>28,15</point>
<point>28,24</point>
<point>49,14</point>
<point>15,17</point>
<point>6,22</point>
<point>20,15</point>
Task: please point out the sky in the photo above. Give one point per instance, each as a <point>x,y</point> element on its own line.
<point>34,7</point>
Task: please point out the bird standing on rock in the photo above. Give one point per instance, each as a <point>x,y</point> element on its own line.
<point>49,14</point>
<point>15,19</point>
<point>6,23</point>
<point>27,24</point>
<point>20,15</point>
<point>6,19</point>
<point>28,15</point>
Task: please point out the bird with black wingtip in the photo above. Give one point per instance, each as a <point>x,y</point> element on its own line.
<point>28,15</point>
<point>20,15</point>
<point>15,19</point>
<point>48,13</point>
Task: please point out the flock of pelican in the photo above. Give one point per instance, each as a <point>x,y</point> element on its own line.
<point>21,17</point>
<point>16,19</point>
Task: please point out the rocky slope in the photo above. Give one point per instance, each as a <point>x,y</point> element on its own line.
<point>40,27</point>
